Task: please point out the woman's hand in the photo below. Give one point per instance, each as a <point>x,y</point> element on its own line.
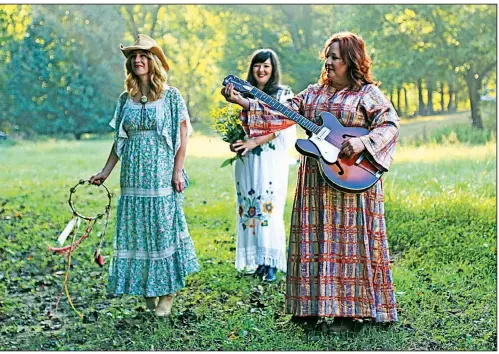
<point>233,96</point>
<point>351,147</point>
<point>99,178</point>
<point>178,181</point>
<point>230,94</point>
<point>245,146</point>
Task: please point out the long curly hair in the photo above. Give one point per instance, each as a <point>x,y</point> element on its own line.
<point>353,52</point>
<point>157,77</point>
<point>260,56</point>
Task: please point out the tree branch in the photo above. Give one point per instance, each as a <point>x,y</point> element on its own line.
<point>292,27</point>
<point>155,20</point>
<point>131,22</point>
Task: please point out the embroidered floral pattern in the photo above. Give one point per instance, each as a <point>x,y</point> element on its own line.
<point>264,147</point>
<point>255,208</point>
<point>267,208</point>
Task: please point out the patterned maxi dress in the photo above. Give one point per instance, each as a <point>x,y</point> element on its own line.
<point>338,258</point>
<point>261,187</point>
<point>153,252</point>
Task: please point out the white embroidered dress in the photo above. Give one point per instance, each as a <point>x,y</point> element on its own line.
<point>261,187</point>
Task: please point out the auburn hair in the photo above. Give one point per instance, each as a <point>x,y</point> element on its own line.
<point>354,54</point>
<point>157,76</point>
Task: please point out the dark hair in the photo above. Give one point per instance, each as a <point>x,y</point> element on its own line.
<point>260,56</point>
<point>353,52</point>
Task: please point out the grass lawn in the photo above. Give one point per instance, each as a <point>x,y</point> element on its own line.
<point>441,220</point>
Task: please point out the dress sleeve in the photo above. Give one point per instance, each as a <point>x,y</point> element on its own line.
<point>117,124</point>
<point>384,126</point>
<point>179,114</point>
<point>260,119</point>
<point>288,135</point>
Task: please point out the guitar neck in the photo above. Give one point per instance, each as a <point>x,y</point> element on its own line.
<point>276,105</point>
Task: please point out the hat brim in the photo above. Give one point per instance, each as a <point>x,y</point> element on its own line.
<point>156,50</point>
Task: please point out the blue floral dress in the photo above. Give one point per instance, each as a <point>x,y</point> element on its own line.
<point>153,252</point>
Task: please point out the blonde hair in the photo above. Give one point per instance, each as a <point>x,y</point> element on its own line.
<point>157,77</point>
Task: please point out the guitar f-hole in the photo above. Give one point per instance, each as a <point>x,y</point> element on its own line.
<point>344,136</point>
<point>341,172</point>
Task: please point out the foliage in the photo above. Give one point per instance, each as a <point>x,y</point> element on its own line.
<point>449,130</point>
<point>61,80</point>
<point>441,222</point>
<point>455,135</point>
<point>14,20</point>
<point>227,125</point>
<point>192,40</point>
<point>429,58</point>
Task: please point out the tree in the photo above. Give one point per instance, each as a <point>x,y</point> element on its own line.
<point>472,48</point>
<point>14,20</point>
<point>62,74</point>
<point>191,38</point>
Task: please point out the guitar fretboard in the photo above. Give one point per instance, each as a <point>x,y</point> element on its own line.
<point>302,121</point>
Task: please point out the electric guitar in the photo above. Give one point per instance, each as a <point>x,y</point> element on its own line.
<point>353,175</point>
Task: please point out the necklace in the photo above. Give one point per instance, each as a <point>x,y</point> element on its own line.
<point>143,100</point>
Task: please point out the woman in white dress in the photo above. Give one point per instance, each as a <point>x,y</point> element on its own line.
<point>262,181</point>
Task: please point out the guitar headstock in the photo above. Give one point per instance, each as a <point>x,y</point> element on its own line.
<point>240,85</point>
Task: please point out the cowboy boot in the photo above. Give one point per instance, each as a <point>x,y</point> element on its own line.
<point>151,303</point>
<point>165,304</point>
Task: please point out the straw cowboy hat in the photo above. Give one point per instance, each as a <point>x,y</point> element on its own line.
<point>144,42</point>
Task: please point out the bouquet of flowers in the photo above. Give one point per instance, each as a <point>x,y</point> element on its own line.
<point>227,125</point>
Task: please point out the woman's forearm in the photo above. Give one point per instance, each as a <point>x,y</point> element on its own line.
<point>243,102</point>
<point>180,155</point>
<point>260,140</point>
<point>112,160</point>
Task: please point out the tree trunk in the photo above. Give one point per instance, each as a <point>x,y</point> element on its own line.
<point>429,98</point>
<point>442,102</point>
<point>421,105</point>
<point>474,86</point>
<point>399,109</point>
<point>188,103</point>
<point>451,107</point>
<point>406,102</point>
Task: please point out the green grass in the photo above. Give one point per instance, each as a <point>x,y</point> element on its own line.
<point>450,129</point>
<point>441,220</point>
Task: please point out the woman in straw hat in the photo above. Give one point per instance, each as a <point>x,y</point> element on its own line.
<point>153,252</point>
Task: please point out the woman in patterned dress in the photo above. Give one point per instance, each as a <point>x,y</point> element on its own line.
<point>262,181</point>
<point>338,258</point>
<point>153,252</point>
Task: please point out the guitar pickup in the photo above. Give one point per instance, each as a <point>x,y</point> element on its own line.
<point>359,160</point>
<point>323,133</point>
